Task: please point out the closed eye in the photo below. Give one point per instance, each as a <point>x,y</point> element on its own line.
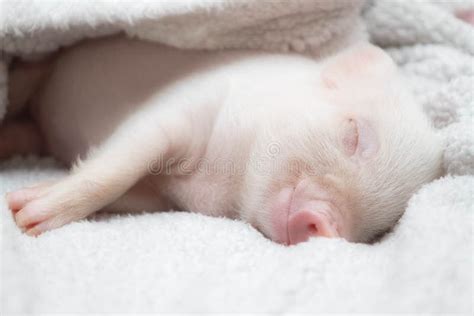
<point>359,139</point>
<point>350,139</point>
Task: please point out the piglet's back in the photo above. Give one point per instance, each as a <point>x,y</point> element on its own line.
<point>94,85</point>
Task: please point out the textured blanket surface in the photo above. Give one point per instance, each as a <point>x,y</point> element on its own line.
<point>181,262</point>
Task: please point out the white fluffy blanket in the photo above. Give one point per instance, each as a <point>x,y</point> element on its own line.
<point>181,262</point>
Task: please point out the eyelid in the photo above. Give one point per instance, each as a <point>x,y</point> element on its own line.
<point>359,139</point>
<point>350,139</point>
<point>368,140</point>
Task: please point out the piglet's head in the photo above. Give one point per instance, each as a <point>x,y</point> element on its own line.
<point>360,149</point>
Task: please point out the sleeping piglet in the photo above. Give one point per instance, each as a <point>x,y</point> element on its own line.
<point>298,148</point>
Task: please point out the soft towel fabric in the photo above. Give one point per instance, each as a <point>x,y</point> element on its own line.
<point>30,28</point>
<point>181,262</point>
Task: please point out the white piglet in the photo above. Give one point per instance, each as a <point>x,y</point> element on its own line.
<point>297,148</point>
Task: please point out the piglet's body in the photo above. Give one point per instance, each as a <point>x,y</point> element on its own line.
<point>295,147</point>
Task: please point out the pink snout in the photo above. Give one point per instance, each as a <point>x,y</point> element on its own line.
<point>308,223</point>
<point>306,211</point>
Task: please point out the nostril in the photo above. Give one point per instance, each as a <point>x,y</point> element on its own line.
<point>312,230</point>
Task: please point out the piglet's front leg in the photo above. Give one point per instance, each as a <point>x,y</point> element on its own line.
<point>104,176</point>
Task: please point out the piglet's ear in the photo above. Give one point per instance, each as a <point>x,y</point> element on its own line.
<point>361,64</point>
